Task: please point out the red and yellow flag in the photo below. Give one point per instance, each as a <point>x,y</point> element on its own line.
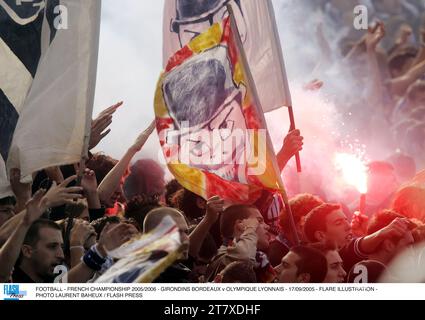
<point>211,131</point>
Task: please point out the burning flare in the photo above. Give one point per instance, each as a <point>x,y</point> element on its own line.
<point>353,170</point>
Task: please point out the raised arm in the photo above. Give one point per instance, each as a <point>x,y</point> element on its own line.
<point>9,253</point>
<point>56,196</point>
<point>215,206</point>
<point>112,180</point>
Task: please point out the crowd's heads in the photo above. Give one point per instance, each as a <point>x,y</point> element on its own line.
<point>335,272</point>
<point>300,205</point>
<point>231,224</point>
<point>154,218</point>
<point>302,264</point>
<point>191,204</point>
<point>170,190</point>
<point>146,177</point>
<point>101,164</point>
<point>138,207</point>
<point>7,209</point>
<point>42,250</point>
<point>409,201</point>
<point>404,166</point>
<point>381,179</point>
<point>238,272</point>
<point>99,224</point>
<point>78,209</point>
<point>327,223</point>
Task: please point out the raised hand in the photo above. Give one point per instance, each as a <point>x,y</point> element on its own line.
<point>80,232</point>
<point>34,208</point>
<point>374,36</point>
<point>250,223</point>
<point>111,110</point>
<point>359,224</point>
<point>89,182</point>
<point>397,228</point>
<point>293,143</point>
<point>61,194</point>
<point>215,206</point>
<point>143,137</point>
<point>100,124</point>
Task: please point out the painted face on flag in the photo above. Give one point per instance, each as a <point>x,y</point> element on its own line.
<point>23,11</point>
<point>195,16</point>
<point>206,107</point>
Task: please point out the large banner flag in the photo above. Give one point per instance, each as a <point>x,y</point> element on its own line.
<point>212,132</point>
<point>186,19</point>
<point>48,60</point>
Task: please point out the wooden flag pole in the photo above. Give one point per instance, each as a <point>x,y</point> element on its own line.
<point>252,88</point>
<point>278,47</point>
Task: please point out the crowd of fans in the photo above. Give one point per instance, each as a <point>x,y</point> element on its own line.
<point>55,221</point>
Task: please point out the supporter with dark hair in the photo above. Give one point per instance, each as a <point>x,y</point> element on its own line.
<point>302,264</point>
<point>398,239</point>
<point>192,205</point>
<point>245,237</point>
<point>7,209</point>
<point>170,190</point>
<point>40,254</point>
<point>237,272</point>
<point>300,205</point>
<point>139,206</point>
<point>327,223</point>
<point>194,208</point>
<point>335,271</point>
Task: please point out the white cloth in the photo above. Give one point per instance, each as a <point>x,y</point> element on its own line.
<point>257,26</point>
<point>57,109</point>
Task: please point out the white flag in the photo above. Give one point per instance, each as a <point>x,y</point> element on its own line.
<point>185,19</point>
<point>48,58</point>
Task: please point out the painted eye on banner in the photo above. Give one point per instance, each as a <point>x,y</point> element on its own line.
<point>226,129</point>
<point>22,11</point>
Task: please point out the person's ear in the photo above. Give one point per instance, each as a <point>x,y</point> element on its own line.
<point>320,236</point>
<point>201,203</point>
<point>26,251</point>
<point>304,278</point>
<point>238,227</point>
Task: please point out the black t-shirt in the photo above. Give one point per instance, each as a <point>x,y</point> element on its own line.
<point>18,276</point>
<point>351,254</point>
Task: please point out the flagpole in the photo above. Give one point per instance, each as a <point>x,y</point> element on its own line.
<point>91,86</point>
<point>251,86</point>
<point>288,103</point>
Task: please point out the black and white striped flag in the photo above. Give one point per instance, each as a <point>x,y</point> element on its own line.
<point>48,58</point>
